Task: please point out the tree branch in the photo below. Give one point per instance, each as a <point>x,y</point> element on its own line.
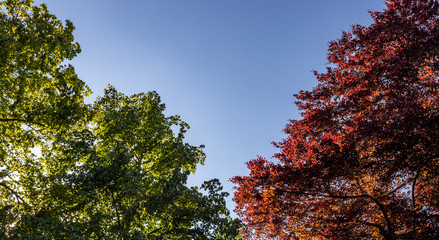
<point>15,194</point>
<point>155,230</point>
<point>414,201</point>
<point>397,188</point>
<point>376,225</point>
<point>375,200</point>
<point>378,203</point>
<point>413,190</point>
<point>20,120</point>
<point>429,84</point>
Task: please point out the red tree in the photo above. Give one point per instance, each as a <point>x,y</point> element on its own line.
<point>363,162</point>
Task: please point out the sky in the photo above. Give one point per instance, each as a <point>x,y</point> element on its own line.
<point>229,68</point>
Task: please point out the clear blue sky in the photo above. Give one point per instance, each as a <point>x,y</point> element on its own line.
<point>227,67</point>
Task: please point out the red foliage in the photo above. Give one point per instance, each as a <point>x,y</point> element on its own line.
<point>363,162</point>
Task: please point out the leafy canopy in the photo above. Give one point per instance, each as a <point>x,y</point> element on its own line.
<point>363,162</point>
<point>113,169</point>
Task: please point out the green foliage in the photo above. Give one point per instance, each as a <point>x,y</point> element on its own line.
<point>114,169</point>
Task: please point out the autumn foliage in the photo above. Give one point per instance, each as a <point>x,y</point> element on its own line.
<point>363,162</point>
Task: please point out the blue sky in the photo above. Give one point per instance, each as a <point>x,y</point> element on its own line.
<point>227,67</point>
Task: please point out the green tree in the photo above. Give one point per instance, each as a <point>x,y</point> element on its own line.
<point>41,97</point>
<point>114,169</point>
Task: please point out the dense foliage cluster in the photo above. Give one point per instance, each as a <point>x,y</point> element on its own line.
<point>114,169</point>
<point>363,162</point>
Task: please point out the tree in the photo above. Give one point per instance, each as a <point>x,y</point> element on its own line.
<point>363,162</point>
<point>41,97</point>
<point>114,169</point>
<point>123,176</point>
